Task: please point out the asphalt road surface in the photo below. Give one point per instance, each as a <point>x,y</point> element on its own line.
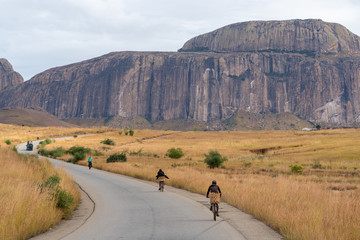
<point>126,208</point>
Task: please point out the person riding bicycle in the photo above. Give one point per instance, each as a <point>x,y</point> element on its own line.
<point>161,177</point>
<point>90,162</point>
<point>215,193</point>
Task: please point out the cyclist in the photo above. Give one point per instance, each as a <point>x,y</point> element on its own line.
<point>161,176</point>
<point>215,193</point>
<point>90,162</point>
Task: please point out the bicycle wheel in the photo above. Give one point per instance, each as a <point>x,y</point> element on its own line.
<point>213,205</point>
<point>161,186</point>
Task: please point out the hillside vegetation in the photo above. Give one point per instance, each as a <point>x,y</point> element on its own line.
<point>34,196</point>
<point>306,185</point>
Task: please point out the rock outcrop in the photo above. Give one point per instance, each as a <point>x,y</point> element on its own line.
<point>312,75</point>
<point>8,77</point>
<point>282,36</point>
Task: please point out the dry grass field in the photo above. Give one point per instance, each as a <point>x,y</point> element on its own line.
<point>28,185</point>
<point>319,201</point>
<point>28,207</point>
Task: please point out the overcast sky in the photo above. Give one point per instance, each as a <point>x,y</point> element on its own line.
<point>40,34</point>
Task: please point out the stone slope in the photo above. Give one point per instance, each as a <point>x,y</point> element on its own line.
<point>8,77</point>
<point>202,86</point>
<point>290,36</point>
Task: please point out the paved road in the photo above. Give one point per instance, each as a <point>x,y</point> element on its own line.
<point>126,208</point>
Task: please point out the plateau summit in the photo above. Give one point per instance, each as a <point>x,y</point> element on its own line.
<point>308,68</point>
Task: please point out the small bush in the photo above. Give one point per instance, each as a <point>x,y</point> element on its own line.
<point>52,182</point>
<point>131,132</point>
<point>58,152</point>
<point>75,136</point>
<point>174,153</point>
<point>79,156</point>
<point>296,169</point>
<point>73,150</point>
<point>214,159</point>
<point>120,132</point>
<point>44,142</point>
<point>43,152</point>
<point>108,141</point>
<point>8,141</point>
<point>117,157</point>
<point>79,153</point>
<point>64,200</point>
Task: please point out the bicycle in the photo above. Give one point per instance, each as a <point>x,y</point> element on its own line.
<point>215,210</point>
<point>214,201</point>
<point>161,183</point>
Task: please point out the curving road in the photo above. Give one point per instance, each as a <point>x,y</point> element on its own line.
<point>126,208</point>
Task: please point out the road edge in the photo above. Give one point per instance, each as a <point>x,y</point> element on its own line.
<point>79,217</point>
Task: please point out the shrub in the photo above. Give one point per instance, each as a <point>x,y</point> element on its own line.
<point>120,132</point>
<point>44,142</point>
<point>214,159</point>
<point>296,169</point>
<point>64,199</point>
<point>131,132</point>
<point>75,136</point>
<point>79,156</point>
<point>174,153</point>
<point>108,141</point>
<point>43,152</point>
<point>52,182</point>
<point>58,152</point>
<point>8,141</point>
<point>117,157</point>
<point>75,149</point>
<point>79,153</point>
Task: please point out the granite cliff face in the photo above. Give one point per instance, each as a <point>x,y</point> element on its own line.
<point>317,81</point>
<point>8,77</point>
<point>286,36</point>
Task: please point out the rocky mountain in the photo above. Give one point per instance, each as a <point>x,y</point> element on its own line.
<point>309,68</point>
<point>8,77</point>
<point>300,36</point>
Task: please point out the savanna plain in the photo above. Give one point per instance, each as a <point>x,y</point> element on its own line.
<point>305,185</point>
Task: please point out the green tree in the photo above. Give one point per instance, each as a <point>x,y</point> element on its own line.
<point>214,159</point>
<point>174,153</point>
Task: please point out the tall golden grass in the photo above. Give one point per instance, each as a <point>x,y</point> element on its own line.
<point>321,203</point>
<point>19,134</point>
<point>26,209</point>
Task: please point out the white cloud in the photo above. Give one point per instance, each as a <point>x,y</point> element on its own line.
<point>40,34</point>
